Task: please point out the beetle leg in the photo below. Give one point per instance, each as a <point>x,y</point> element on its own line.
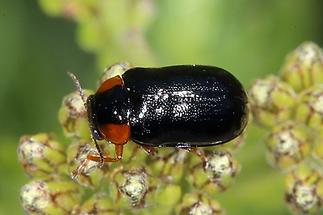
<point>150,150</point>
<point>119,151</point>
<point>198,152</point>
<point>98,148</point>
<point>106,159</point>
<point>98,158</point>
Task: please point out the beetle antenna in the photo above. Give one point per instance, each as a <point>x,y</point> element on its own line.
<point>78,87</point>
<point>82,95</point>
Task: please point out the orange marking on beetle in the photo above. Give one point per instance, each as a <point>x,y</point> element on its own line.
<point>110,83</point>
<point>118,134</point>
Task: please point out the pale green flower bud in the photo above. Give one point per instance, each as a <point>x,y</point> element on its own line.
<point>49,197</point>
<point>303,191</point>
<point>318,149</point>
<point>310,108</point>
<point>167,195</point>
<point>303,67</point>
<point>169,164</point>
<point>133,185</point>
<point>271,101</point>
<point>217,175</point>
<point>288,144</point>
<point>86,172</point>
<point>197,204</point>
<point>41,156</point>
<point>221,168</point>
<point>72,116</point>
<point>99,204</point>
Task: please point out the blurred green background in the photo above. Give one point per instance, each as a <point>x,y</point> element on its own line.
<point>250,38</point>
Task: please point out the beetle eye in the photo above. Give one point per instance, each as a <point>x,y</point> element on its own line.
<point>96,134</point>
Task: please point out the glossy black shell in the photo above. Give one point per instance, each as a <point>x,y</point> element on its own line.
<point>183,106</point>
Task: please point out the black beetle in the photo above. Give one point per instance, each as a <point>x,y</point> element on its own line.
<point>175,106</point>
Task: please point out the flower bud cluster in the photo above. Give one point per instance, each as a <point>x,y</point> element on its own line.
<point>290,106</point>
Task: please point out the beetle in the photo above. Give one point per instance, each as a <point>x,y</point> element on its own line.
<point>184,106</point>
